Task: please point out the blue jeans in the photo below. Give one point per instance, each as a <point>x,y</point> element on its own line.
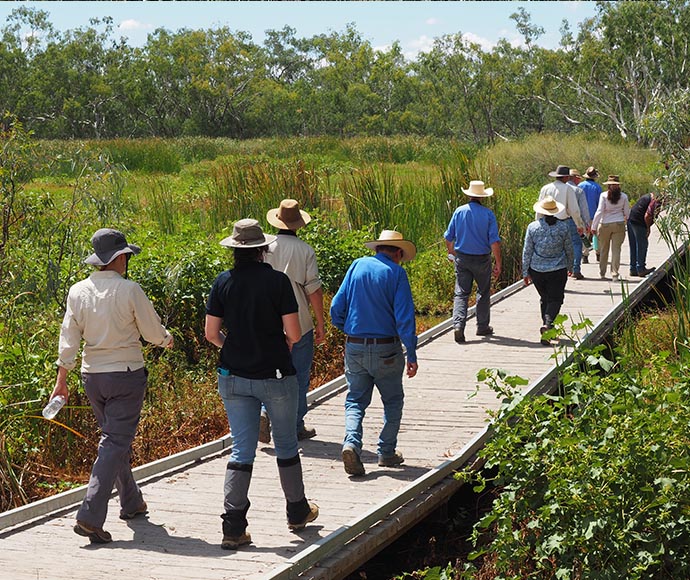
<point>639,244</point>
<point>243,398</point>
<point>577,245</point>
<point>469,268</point>
<point>302,356</point>
<point>365,366</point>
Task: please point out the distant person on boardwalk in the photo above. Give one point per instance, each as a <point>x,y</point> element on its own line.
<point>609,223</point>
<point>642,216</point>
<point>374,308</point>
<point>565,194</point>
<point>257,307</point>
<point>471,238</point>
<point>547,257</point>
<point>297,259</point>
<point>592,192</point>
<point>109,313</point>
<point>575,180</point>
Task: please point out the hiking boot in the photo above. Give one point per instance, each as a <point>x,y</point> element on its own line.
<point>585,259</point>
<point>306,433</point>
<point>391,460</point>
<point>234,542</point>
<point>459,336</point>
<point>95,535</point>
<point>141,510</point>
<point>351,461</point>
<point>578,276</point>
<point>264,429</point>
<point>634,273</point>
<point>544,341</point>
<point>485,331</point>
<point>598,257</point>
<point>645,271</point>
<point>310,517</point>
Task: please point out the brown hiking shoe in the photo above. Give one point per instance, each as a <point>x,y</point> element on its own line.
<point>306,433</point>
<point>141,510</point>
<point>234,542</point>
<point>264,429</point>
<point>95,535</point>
<point>310,517</point>
<point>352,462</point>
<point>391,460</point>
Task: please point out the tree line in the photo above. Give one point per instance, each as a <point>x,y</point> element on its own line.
<point>87,83</point>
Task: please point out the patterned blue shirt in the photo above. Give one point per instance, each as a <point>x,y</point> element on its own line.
<point>547,247</point>
<point>375,301</point>
<point>473,229</point>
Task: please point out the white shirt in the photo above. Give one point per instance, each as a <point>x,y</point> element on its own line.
<point>296,258</point>
<point>109,313</point>
<point>609,213</point>
<point>565,194</point>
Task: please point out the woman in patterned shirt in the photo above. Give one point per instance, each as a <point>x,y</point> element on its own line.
<point>547,258</point>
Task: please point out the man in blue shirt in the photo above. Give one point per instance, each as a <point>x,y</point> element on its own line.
<point>374,308</point>
<point>592,192</point>
<point>471,238</point>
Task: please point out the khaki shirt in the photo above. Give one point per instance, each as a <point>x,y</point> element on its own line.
<point>109,313</point>
<point>565,194</point>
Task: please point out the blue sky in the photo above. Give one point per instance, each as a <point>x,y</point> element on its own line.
<point>413,24</point>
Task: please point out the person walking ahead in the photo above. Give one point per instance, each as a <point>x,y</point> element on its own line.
<point>471,237</point>
<point>109,313</point>
<point>297,260</point>
<point>374,308</point>
<point>257,307</point>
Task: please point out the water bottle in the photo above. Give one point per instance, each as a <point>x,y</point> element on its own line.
<point>53,406</point>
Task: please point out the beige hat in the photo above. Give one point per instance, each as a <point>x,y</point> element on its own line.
<point>612,180</point>
<point>288,216</point>
<point>574,173</point>
<point>477,189</point>
<point>548,206</point>
<point>247,233</point>
<point>393,238</point>
<point>591,173</point>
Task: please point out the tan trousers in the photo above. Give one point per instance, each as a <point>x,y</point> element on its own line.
<point>611,236</point>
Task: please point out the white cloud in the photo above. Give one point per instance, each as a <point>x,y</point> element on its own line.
<point>132,24</point>
<point>485,43</point>
<point>432,21</point>
<point>423,43</point>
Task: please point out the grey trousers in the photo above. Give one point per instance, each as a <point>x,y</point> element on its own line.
<point>469,269</point>
<point>116,399</point>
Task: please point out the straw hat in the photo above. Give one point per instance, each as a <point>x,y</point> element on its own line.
<point>393,238</point>
<point>591,173</point>
<point>247,233</point>
<point>288,216</point>
<point>548,206</point>
<point>477,189</point>
<point>612,180</point>
<point>108,244</point>
<point>574,173</point>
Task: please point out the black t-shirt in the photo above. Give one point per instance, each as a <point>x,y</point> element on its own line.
<point>638,210</point>
<point>251,299</point>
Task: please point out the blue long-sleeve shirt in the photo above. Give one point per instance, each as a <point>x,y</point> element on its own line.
<point>592,191</point>
<point>375,301</point>
<point>472,229</point>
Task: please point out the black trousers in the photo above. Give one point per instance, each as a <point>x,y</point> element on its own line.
<point>551,289</point>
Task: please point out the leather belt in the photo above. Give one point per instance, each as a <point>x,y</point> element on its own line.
<point>358,340</point>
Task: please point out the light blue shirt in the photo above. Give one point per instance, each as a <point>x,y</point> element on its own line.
<point>473,229</point>
<point>592,191</point>
<point>375,301</point>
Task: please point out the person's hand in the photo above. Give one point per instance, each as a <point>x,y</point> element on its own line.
<point>171,343</point>
<point>580,231</point>
<point>451,257</point>
<point>412,369</point>
<point>527,280</point>
<point>497,271</point>
<point>319,334</point>
<point>60,385</point>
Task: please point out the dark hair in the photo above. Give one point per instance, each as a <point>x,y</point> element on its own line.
<point>614,193</point>
<point>388,249</point>
<point>550,219</point>
<point>247,255</point>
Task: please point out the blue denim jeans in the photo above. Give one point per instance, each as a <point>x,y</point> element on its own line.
<point>577,245</point>
<point>365,366</point>
<point>243,398</point>
<point>302,356</point>
<point>468,269</point>
<point>639,244</point>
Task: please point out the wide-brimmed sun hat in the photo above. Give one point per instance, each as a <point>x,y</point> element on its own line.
<point>395,239</point>
<point>561,171</point>
<point>548,206</point>
<point>108,244</point>
<point>288,216</point>
<point>591,173</point>
<point>612,180</point>
<point>574,173</point>
<point>477,189</point>
<point>247,233</point>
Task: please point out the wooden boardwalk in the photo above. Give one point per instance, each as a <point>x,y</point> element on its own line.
<point>444,410</point>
